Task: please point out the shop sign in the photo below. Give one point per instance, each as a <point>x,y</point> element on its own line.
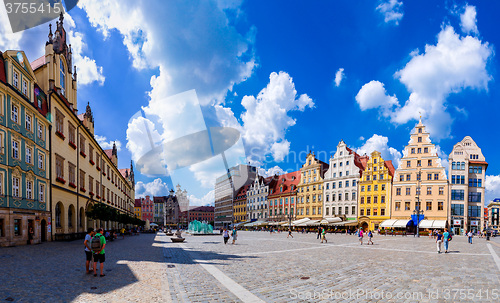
<point>474,223</point>
<point>457,222</point>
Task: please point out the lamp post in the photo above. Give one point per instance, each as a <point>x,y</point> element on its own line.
<point>418,212</point>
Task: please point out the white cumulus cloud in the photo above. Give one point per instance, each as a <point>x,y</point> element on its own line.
<point>105,144</point>
<point>154,188</point>
<point>392,11</point>
<point>468,20</point>
<point>266,117</point>
<point>339,75</point>
<point>380,143</point>
<point>492,186</point>
<point>452,65</point>
<point>207,199</point>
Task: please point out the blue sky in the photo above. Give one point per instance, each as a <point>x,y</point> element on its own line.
<point>291,76</point>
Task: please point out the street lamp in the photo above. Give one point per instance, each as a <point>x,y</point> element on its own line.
<point>417,212</point>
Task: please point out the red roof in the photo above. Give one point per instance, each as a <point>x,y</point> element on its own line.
<point>479,162</point>
<point>3,78</point>
<point>390,167</point>
<point>125,172</point>
<point>242,193</point>
<point>286,181</point>
<point>203,208</point>
<point>137,203</point>
<point>109,153</point>
<point>38,62</point>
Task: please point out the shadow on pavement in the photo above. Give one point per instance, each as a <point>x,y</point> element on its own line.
<point>55,271</point>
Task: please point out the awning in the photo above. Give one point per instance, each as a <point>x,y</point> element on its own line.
<point>330,220</point>
<point>401,223</point>
<point>241,223</point>
<point>351,223</point>
<point>387,223</point>
<point>432,224</point>
<point>300,221</point>
<point>308,223</point>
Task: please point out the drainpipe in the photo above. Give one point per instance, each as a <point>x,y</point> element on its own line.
<point>49,131</point>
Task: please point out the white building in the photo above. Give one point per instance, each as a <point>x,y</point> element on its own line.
<point>467,185</point>
<point>257,198</point>
<point>340,185</point>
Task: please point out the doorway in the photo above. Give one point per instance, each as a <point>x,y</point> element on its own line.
<point>43,227</point>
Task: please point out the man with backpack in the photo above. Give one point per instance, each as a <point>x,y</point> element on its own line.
<point>98,244</point>
<point>88,250</point>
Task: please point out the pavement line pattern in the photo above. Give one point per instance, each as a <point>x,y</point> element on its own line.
<point>242,293</point>
<point>351,245</point>
<point>494,255</point>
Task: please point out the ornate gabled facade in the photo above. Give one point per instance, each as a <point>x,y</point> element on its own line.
<point>375,189</point>
<point>257,206</point>
<point>467,186</point>
<point>310,189</point>
<point>341,183</point>
<point>283,197</point>
<point>420,182</point>
<point>24,153</point>
<point>240,204</point>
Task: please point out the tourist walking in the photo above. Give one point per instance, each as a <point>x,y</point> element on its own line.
<point>234,234</point>
<point>98,244</point>
<point>360,235</point>
<point>323,235</point>
<point>446,240</point>
<point>289,233</point>
<point>88,250</point>
<point>370,236</point>
<point>225,235</point>
<point>439,240</point>
<point>319,233</point>
<point>31,234</point>
<point>470,235</point>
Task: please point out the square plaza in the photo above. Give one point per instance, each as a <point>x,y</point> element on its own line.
<point>260,267</point>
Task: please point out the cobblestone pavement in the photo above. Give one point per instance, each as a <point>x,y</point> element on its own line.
<point>260,267</point>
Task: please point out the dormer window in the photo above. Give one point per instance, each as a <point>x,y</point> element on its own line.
<point>62,77</point>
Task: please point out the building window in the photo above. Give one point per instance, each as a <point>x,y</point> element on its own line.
<point>441,191</point>
<point>28,122</point>
<point>369,188</point>
<point>41,161</point>
<point>25,87</point>
<point>59,167</point>
<point>14,113</point>
<point>368,200</point>
<point>398,205</point>
<point>346,196</point>
<point>353,197</point>
<point>419,162</point>
<point>29,152</point>
<point>474,197</point>
<point>15,187</point>
<point>60,123</point>
<point>436,176</point>
<point>41,193</point>
<point>408,177</point>
<point>15,79</point>
<point>412,150</point>
<point>17,227</point>
<point>429,191</point>
<point>383,187</point>
<point>398,191</point>
<point>407,205</point>
<point>62,75</point>
<point>353,210</point>
<point>429,162</point>
<point>82,144</point>
<point>40,131</point>
<point>71,133</point>
<point>408,163</point>
<point>428,205</point>
<point>15,149</point>
<point>375,199</point>
<point>440,206</point>
<point>368,212</point>
<point>362,212</point>
<point>419,150</point>
<point>71,174</point>
<point>382,211</point>
<point>419,139</point>
<point>362,200</point>
<point>408,191</point>
<point>382,199</point>
<point>29,190</point>
<point>457,194</point>
<point>362,188</point>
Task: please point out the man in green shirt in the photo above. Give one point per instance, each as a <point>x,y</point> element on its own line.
<point>99,256</point>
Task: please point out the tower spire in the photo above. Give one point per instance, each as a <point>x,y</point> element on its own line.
<point>50,35</point>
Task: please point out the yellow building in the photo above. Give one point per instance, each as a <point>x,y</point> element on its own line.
<point>374,199</point>
<point>240,205</point>
<point>83,174</point>
<point>420,184</point>
<point>310,189</point>
<point>138,209</point>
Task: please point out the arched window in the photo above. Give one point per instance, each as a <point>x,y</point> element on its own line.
<point>58,215</point>
<point>70,217</point>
